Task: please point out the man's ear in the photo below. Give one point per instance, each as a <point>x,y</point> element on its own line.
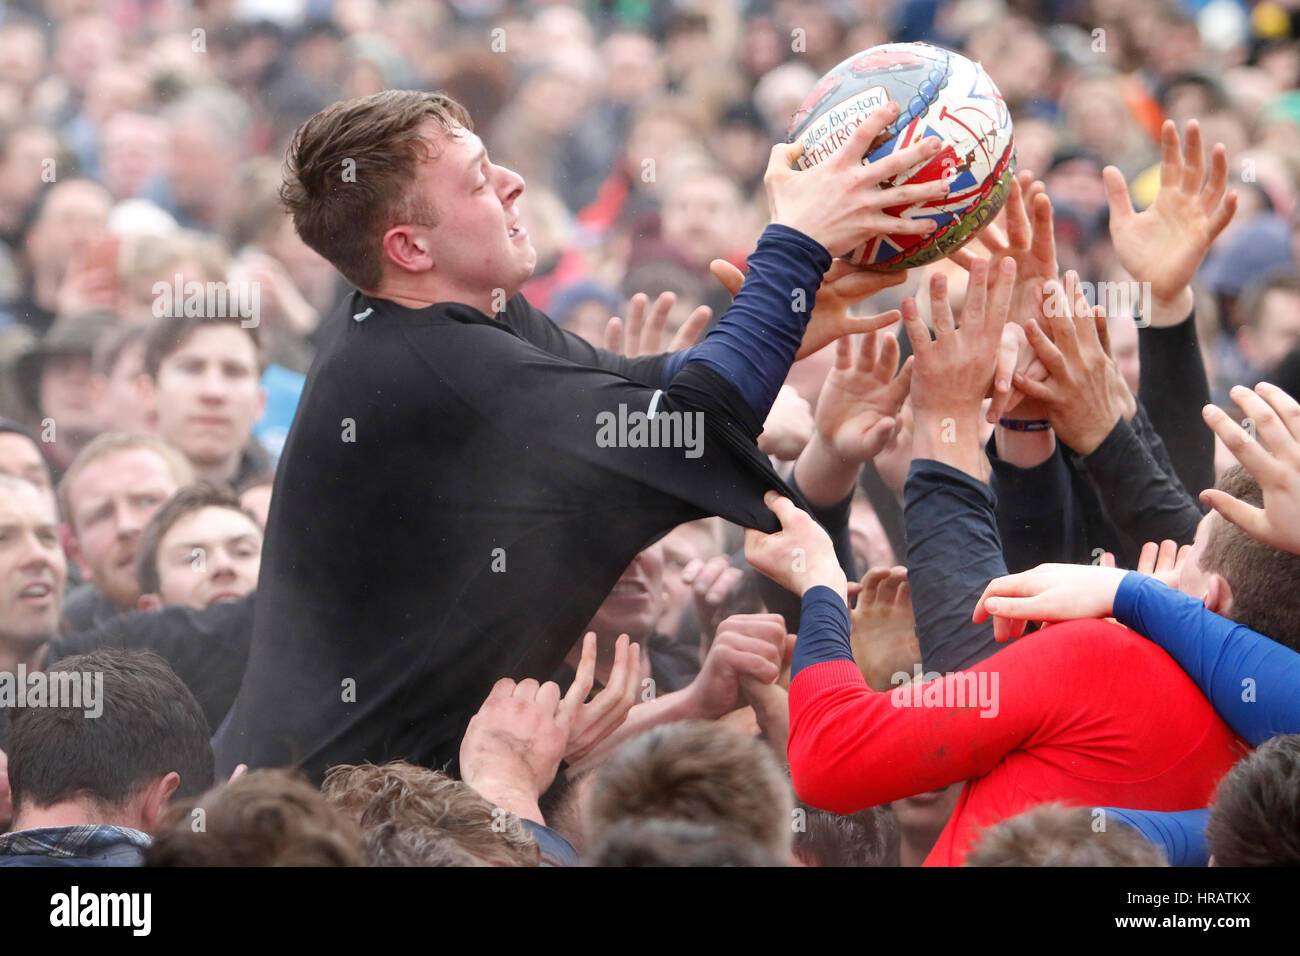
<point>72,548</point>
<point>1218,595</point>
<point>149,602</point>
<point>155,800</point>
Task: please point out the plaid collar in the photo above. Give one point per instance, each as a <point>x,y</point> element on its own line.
<point>76,842</point>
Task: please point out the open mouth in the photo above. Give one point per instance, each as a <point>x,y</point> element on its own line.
<point>629,589</point>
<point>38,594</point>
<point>516,231</point>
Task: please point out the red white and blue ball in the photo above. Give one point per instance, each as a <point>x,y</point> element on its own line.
<point>939,93</point>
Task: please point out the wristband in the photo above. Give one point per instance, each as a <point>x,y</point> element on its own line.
<point>1025,424</point>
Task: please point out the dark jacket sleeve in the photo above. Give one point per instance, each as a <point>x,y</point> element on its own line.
<point>1173,388</point>
<point>207,649</point>
<point>1141,498</point>
<point>1039,519</point>
<point>953,551</point>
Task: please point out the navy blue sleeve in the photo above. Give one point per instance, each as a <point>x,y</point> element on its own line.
<point>755,341</point>
<point>953,552</point>
<point>1253,683</point>
<point>1180,835</point>
<point>824,630</point>
<point>1039,518</point>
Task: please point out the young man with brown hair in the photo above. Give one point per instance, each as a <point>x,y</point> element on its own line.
<point>107,497</point>
<point>446,510</point>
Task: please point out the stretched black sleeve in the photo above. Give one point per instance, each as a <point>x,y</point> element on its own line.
<point>1142,499</point>
<point>208,649</point>
<point>1039,517</point>
<point>1173,388</point>
<point>953,551</point>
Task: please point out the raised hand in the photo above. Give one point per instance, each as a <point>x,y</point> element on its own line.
<point>861,397</point>
<point>1084,395</point>
<point>843,286</point>
<point>590,722</point>
<point>1273,458</point>
<point>955,369</point>
<point>884,629</point>
<point>837,202</point>
<point>1164,244</point>
<point>788,426</point>
<point>1049,593</point>
<point>747,647</point>
<point>513,746</point>
<point>799,556</point>
<point>644,336</point>
<point>711,582</point>
<point>1162,561</point>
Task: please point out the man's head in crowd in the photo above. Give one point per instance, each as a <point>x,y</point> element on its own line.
<point>405,810</point>
<point>635,603</point>
<point>204,377</point>
<point>1241,578</point>
<point>699,772</point>
<point>701,213</point>
<point>920,819</point>
<point>33,571</point>
<point>107,497</point>
<point>1270,320</point>
<point>822,838</point>
<point>265,818</point>
<point>148,744</point>
<point>116,365</point>
<point>255,496</point>
<point>55,378</point>
<point>20,456</point>
<point>654,842</point>
<point>693,541</point>
<point>1255,820</point>
<point>428,214</point>
<point>200,548</point>
<point>1053,835</point>
<point>73,212</point>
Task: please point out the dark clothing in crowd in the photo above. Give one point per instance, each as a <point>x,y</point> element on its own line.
<point>442,459</point>
<point>85,608</point>
<point>207,648</point>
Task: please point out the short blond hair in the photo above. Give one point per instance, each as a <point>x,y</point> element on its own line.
<point>111,443</point>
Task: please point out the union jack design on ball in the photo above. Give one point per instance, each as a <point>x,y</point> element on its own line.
<point>940,94</point>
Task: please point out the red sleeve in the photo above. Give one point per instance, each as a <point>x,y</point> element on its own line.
<point>852,748</point>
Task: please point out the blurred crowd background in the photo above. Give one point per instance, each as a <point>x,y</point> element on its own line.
<point>143,139</point>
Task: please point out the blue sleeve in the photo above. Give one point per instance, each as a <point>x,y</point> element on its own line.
<point>1180,835</point>
<point>953,552</point>
<point>754,343</point>
<point>824,629</point>
<point>1253,683</point>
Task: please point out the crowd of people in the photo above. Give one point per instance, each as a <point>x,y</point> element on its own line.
<point>976,564</point>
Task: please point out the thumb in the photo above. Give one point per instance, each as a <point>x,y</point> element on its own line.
<point>726,273</point>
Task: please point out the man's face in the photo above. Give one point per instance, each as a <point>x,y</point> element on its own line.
<point>477,246</point>
<point>208,556</point>
<point>67,396</point>
<point>634,605</point>
<point>20,457</point>
<point>1277,332</point>
<point>33,569</point>
<point>111,501</point>
<point>207,395</point>
<point>700,218</point>
<point>75,213</point>
<point>121,404</point>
